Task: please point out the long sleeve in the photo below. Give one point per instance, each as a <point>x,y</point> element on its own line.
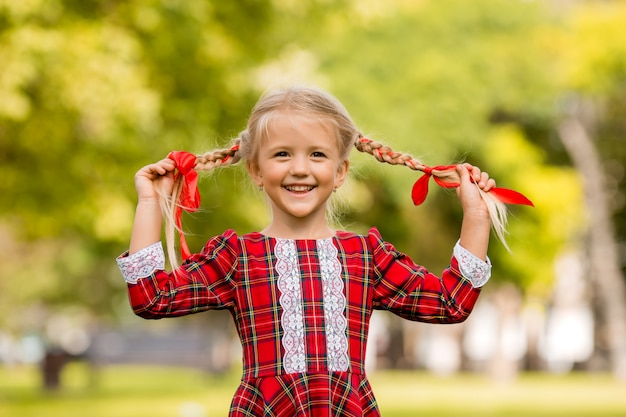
<point>411,291</point>
<point>204,281</point>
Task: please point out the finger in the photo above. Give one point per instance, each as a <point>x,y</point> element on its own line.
<point>152,171</point>
<point>461,169</point>
<point>480,178</point>
<point>491,183</point>
<point>468,173</point>
<point>482,181</point>
<point>163,166</point>
<point>156,170</point>
<point>476,174</point>
<point>167,162</point>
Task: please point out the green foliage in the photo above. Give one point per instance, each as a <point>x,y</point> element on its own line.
<point>92,90</point>
<point>597,63</point>
<point>543,233</point>
<point>431,78</point>
<point>593,64</point>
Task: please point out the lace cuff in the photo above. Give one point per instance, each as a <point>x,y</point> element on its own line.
<point>142,263</point>
<point>473,268</point>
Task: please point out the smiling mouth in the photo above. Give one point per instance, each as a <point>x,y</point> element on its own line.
<point>298,188</point>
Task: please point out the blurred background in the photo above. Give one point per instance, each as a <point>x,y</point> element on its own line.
<point>534,92</point>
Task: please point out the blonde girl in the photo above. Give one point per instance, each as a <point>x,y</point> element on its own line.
<point>300,292</point>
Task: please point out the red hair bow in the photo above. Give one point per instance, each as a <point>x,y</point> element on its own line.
<point>189,197</point>
<point>420,188</point>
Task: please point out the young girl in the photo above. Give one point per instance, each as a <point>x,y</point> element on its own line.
<point>301,293</point>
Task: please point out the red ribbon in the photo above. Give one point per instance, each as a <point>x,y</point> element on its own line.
<point>189,199</point>
<point>420,188</point>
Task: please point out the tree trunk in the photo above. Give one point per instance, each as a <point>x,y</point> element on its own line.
<point>606,275</point>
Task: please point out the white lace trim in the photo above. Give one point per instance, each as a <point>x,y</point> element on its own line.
<point>472,267</point>
<point>334,306</point>
<point>142,263</point>
<point>292,321</point>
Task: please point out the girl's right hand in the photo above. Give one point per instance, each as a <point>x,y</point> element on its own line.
<point>153,177</point>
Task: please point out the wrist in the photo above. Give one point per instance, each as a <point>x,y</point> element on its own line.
<point>148,200</point>
<point>477,214</point>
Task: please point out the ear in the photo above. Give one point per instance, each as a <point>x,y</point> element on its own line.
<point>255,172</point>
<point>342,173</point>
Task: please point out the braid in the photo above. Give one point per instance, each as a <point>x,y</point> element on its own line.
<point>385,154</point>
<point>219,158</point>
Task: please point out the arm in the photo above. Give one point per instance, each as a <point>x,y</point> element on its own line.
<point>205,281</point>
<point>476,226</point>
<point>409,290</point>
<point>148,217</point>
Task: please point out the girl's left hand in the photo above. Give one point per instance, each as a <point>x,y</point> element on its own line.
<point>473,179</point>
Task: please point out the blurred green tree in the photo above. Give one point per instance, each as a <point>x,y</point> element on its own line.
<point>92,90</point>
<point>592,132</point>
<point>89,92</point>
<point>433,78</point>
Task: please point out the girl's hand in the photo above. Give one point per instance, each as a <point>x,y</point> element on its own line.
<point>472,179</point>
<point>153,177</point>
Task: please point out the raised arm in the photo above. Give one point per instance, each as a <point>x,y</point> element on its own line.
<point>475,229</point>
<point>149,181</point>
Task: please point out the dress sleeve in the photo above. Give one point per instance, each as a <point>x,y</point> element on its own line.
<point>142,263</point>
<point>204,281</point>
<point>411,291</point>
<point>472,267</point>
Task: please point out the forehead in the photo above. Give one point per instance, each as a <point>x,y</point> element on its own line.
<point>291,125</point>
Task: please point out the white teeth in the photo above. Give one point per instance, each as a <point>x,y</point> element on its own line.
<point>299,187</point>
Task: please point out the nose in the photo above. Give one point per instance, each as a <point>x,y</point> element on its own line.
<point>299,166</point>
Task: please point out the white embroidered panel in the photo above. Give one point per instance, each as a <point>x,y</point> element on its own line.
<point>142,263</point>
<point>334,306</point>
<point>290,300</point>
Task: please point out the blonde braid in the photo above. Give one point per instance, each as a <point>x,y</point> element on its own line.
<point>219,158</point>
<point>383,153</point>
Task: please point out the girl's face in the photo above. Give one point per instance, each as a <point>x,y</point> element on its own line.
<point>299,165</point>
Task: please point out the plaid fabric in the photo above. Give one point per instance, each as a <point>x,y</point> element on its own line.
<point>239,273</point>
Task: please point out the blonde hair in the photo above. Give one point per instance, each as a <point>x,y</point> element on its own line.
<point>318,104</point>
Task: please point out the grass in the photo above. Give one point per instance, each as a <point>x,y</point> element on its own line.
<point>131,391</point>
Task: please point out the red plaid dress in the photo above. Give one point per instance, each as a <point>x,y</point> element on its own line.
<point>302,311</point>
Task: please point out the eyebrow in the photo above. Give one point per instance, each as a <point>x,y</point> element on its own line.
<point>273,147</point>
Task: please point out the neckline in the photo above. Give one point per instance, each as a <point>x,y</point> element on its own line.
<point>266,236</point>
